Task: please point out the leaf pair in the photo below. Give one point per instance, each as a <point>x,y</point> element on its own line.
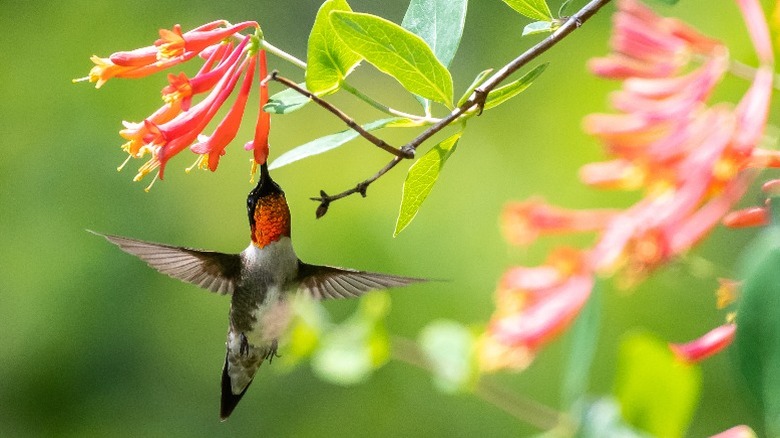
<point>340,39</point>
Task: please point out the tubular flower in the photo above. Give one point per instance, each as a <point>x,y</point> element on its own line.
<point>711,343</point>
<point>691,160</point>
<point>259,145</point>
<point>180,122</point>
<point>533,306</point>
<point>523,222</point>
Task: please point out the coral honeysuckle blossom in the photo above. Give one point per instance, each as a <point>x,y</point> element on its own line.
<point>691,159</point>
<point>228,56</point>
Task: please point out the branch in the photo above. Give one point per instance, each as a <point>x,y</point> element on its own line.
<point>325,199</point>
<point>477,99</point>
<point>399,153</point>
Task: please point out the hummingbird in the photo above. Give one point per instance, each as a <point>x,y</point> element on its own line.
<point>261,280</point>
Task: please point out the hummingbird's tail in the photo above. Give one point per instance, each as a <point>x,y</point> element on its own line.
<point>229,399</point>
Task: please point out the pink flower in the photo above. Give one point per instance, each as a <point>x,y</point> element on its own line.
<point>179,123</point>
<point>711,343</point>
<point>259,145</point>
<point>533,306</point>
<point>213,147</point>
<point>692,160</point>
<point>523,222</point>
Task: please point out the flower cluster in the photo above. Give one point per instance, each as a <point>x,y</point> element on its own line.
<point>228,56</point>
<point>692,161</point>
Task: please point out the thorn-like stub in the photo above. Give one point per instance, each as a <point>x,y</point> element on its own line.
<point>480,96</point>
<point>323,208</point>
<point>324,200</point>
<point>408,152</point>
<point>362,188</point>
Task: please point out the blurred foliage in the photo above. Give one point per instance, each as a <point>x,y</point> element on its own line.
<point>97,344</point>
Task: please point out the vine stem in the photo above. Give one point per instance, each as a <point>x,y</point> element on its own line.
<point>343,116</point>
<point>477,98</point>
<point>524,409</point>
<point>349,88</point>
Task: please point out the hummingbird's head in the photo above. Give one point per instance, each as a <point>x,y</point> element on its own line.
<point>269,216</point>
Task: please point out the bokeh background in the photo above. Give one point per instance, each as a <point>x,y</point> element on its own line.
<point>93,343</point>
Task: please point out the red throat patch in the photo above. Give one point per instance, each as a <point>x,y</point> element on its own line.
<point>272,219</point>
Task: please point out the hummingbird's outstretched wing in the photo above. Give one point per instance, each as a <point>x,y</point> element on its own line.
<point>323,282</point>
<point>210,270</point>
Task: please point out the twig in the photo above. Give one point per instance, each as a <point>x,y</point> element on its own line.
<point>526,410</point>
<point>340,114</point>
<point>325,199</point>
<point>478,97</point>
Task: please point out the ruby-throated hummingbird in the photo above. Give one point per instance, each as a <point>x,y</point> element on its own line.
<point>261,280</point>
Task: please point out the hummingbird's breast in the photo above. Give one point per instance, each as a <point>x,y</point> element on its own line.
<point>260,308</point>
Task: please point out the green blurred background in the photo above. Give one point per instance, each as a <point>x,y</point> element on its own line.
<point>94,343</point>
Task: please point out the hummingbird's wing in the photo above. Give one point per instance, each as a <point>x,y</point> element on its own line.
<point>210,270</point>
<point>323,282</point>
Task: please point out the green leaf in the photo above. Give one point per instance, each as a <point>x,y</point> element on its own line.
<point>421,178</point>
<point>582,350</point>
<point>329,60</point>
<point>657,393</point>
<point>476,83</point>
<point>539,27</point>
<point>286,101</point>
<point>502,94</point>
<point>397,52</point>
<point>533,9</point>
<point>447,346</point>
<point>324,144</point>
<point>668,2</point>
<point>440,24</point>
<point>757,341</point>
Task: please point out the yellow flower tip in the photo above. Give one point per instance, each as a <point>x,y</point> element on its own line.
<point>154,180</point>
<point>77,80</point>
<point>124,163</point>
<point>202,162</point>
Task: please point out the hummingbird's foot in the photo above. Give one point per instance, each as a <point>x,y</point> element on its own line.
<point>271,353</point>
<point>244,348</point>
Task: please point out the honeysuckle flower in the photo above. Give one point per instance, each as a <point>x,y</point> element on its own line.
<point>523,222</point>
<point>180,122</point>
<point>259,145</point>
<point>692,161</point>
<point>181,88</point>
<point>173,43</point>
<point>213,147</point>
<point>711,343</point>
<point>533,306</point>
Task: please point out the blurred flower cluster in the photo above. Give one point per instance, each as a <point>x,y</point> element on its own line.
<point>692,161</point>
<point>227,56</point>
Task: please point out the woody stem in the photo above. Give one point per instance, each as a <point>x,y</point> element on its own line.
<point>399,153</point>
<point>478,97</point>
